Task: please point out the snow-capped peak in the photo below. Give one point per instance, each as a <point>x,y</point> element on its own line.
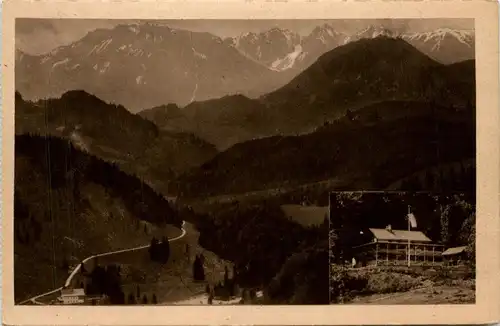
<point>326,28</point>
<point>325,33</point>
<point>463,36</point>
<point>375,31</point>
<point>286,32</point>
<point>134,29</point>
<point>289,60</point>
<point>199,54</point>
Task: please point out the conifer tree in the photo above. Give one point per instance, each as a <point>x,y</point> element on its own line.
<point>429,180</point>
<point>210,299</point>
<point>65,264</point>
<point>198,271</point>
<point>153,249</point>
<point>226,276</point>
<point>131,299</point>
<point>350,115</point>
<point>165,245</point>
<point>196,268</point>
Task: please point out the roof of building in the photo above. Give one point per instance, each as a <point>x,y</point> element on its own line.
<point>399,235</point>
<point>306,215</point>
<point>72,292</point>
<point>454,251</point>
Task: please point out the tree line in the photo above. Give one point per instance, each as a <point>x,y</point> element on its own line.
<point>70,167</point>
<point>106,281</point>
<point>27,228</point>
<point>258,239</point>
<point>80,108</point>
<point>448,219</point>
<point>462,178</point>
<point>159,251</point>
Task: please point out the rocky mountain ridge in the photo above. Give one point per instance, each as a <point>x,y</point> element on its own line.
<point>147,65</point>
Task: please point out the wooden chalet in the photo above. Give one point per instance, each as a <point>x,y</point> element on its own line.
<point>455,256</point>
<point>397,247</point>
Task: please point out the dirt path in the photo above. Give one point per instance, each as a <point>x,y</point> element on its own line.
<point>442,294</point>
<point>202,299</point>
<point>77,268</point>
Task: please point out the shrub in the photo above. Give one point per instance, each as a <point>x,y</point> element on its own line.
<point>442,275</point>
<point>342,284</point>
<point>391,282</point>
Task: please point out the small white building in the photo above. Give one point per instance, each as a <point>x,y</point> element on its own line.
<point>72,296</point>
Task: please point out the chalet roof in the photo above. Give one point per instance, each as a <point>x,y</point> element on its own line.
<point>454,251</point>
<point>313,214</point>
<point>72,292</point>
<point>399,235</point>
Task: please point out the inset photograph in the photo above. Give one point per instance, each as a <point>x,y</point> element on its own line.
<point>402,248</point>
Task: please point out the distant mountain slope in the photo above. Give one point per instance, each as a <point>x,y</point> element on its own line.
<point>265,47</point>
<point>224,121</point>
<point>353,150</point>
<point>114,134</point>
<point>444,44</point>
<point>144,65</point>
<point>68,205</point>
<point>284,50</point>
<point>360,73</point>
<point>349,77</point>
<point>150,64</point>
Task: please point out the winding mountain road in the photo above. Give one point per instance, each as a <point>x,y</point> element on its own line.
<point>77,268</point>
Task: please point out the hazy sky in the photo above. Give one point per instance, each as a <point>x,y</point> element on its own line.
<point>37,36</point>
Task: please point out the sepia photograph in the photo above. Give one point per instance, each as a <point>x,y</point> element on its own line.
<point>198,163</point>
<point>402,248</point>
<point>155,160</point>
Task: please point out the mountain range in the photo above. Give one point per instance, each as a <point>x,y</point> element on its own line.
<point>281,49</point>
<point>394,89</point>
<point>348,77</point>
<point>147,65</point>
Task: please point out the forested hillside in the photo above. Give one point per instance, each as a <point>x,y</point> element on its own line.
<point>114,134</point>
<point>353,150</point>
<point>69,204</point>
<point>259,239</point>
<point>349,77</point>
